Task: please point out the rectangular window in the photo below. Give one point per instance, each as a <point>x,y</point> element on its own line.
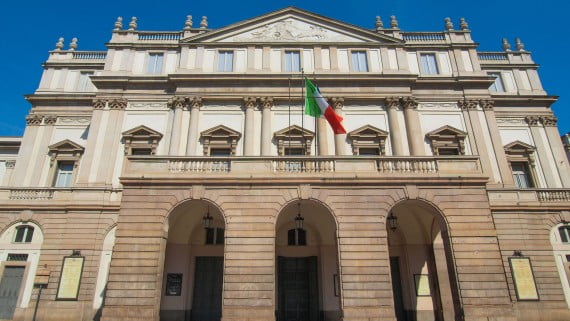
<point>429,64</point>
<point>214,235</point>
<point>155,63</point>
<point>368,151</point>
<point>497,86</point>
<point>84,83</point>
<point>226,61</point>
<point>359,62</point>
<point>220,152</point>
<point>63,174</point>
<point>521,175</point>
<point>564,234</point>
<point>292,61</point>
<point>294,151</point>
<point>141,151</point>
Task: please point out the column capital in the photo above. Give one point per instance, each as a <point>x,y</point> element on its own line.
<point>249,102</point>
<point>178,102</point>
<point>410,102</point>
<point>548,121</point>
<point>487,104</point>
<point>50,119</point>
<point>196,102</point>
<point>120,103</point>
<point>337,103</point>
<point>99,103</point>
<point>10,163</point>
<point>392,102</point>
<point>34,120</point>
<point>467,104</point>
<point>532,120</point>
<point>266,102</point>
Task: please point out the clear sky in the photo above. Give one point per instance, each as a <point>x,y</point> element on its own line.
<point>31,28</point>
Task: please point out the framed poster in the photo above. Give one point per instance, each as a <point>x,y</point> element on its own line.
<point>70,279</point>
<point>422,284</point>
<point>173,284</point>
<point>523,278</point>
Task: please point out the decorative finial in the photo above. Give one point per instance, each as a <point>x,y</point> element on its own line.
<point>463,24</point>
<point>133,23</point>
<point>59,44</point>
<point>73,44</point>
<point>448,24</point>
<point>188,23</point>
<point>519,44</point>
<point>506,45</point>
<point>379,23</point>
<point>204,22</point>
<point>118,24</point>
<point>393,22</point>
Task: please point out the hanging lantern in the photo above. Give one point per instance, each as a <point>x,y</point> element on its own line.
<point>392,222</point>
<point>207,219</point>
<point>299,219</point>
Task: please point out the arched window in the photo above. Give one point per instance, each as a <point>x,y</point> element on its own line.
<point>297,236</point>
<point>23,234</point>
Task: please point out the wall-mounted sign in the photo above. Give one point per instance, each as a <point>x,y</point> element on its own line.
<point>422,284</point>
<point>523,278</point>
<point>70,279</point>
<point>173,284</point>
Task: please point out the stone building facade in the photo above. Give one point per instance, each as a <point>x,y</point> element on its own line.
<point>174,177</point>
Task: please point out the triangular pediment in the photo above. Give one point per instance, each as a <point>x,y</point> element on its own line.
<point>368,131</point>
<point>519,147</point>
<point>446,131</point>
<point>220,131</point>
<point>66,146</point>
<point>294,131</point>
<point>141,131</point>
<point>291,25</point>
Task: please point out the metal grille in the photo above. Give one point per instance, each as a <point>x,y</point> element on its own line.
<point>17,257</point>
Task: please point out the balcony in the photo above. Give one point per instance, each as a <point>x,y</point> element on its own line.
<point>77,196</point>
<point>393,168</point>
<point>551,197</point>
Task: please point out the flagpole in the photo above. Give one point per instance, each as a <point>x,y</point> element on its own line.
<point>303,109</point>
<point>289,131</point>
<point>316,120</point>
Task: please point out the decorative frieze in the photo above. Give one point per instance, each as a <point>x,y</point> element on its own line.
<point>73,120</point>
<point>511,121</point>
<point>147,106</point>
<point>438,106</point>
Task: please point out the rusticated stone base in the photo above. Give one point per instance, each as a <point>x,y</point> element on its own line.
<point>248,314</point>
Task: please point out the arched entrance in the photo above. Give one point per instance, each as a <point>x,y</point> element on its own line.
<point>423,280</point>
<point>193,264</point>
<point>307,263</point>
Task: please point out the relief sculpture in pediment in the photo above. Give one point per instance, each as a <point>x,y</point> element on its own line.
<point>290,30</point>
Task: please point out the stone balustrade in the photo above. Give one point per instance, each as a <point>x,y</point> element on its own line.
<point>77,195</point>
<point>493,57</point>
<point>159,35</point>
<point>424,37</point>
<point>529,196</point>
<point>89,55</point>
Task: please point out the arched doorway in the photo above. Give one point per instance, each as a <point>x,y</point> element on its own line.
<point>193,263</point>
<point>423,279</point>
<point>307,263</point>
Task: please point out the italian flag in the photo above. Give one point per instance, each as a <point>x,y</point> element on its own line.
<point>317,106</point>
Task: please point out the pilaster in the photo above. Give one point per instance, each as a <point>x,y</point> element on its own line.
<point>413,127</point>
<point>177,104</point>
<point>392,107</point>
<point>266,105</point>
<point>544,151</point>
<point>195,105</point>
<point>339,139</point>
<point>249,106</point>
<point>553,137</point>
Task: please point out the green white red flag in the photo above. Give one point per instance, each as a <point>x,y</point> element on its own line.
<point>317,106</point>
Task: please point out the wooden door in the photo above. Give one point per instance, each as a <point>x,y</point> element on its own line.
<point>298,289</point>
<point>207,298</point>
<point>9,290</point>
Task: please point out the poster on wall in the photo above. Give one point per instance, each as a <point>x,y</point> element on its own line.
<point>173,284</point>
<point>523,278</point>
<point>70,280</point>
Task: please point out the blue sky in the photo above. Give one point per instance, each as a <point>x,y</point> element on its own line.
<point>31,28</point>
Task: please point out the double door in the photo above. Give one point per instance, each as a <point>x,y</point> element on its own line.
<point>298,289</point>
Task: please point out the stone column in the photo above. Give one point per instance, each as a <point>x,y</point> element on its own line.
<point>553,137</point>
<point>322,138</point>
<point>249,106</point>
<point>413,127</point>
<point>339,139</point>
<point>176,103</point>
<point>543,152</point>
<point>499,151</point>
<point>195,105</point>
<point>392,106</point>
<point>266,104</point>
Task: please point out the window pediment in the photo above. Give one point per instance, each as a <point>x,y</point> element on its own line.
<point>65,150</point>
<point>294,138</point>
<point>447,140</point>
<point>141,138</point>
<point>518,147</point>
<point>368,137</point>
<point>220,137</point>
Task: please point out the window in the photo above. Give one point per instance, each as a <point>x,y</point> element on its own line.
<point>294,141</point>
<point>63,174</point>
<point>521,159</point>
<point>359,62</point>
<point>24,234</point>
<point>294,151</point>
<point>564,234</point>
<point>219,141</point>
<point>429,64</point>
<point>297,236</point>
<point>214,235</point>
<point>141,151</point>
<point>292,61</point>
<point>497,86</point>
<point>155,63</point>
<point>369,151</point>
<point>521,175</point>
<point>448,151</point>
<point>84,81</point>
<point>226,61</point>
<point>220,152</point>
